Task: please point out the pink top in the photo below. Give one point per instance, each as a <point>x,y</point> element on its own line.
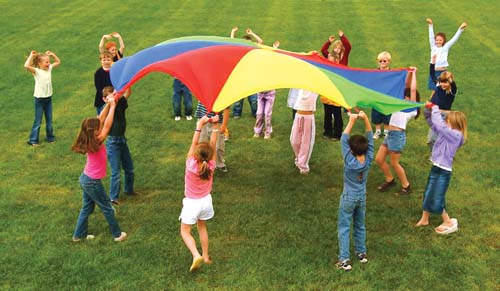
<point>196,188</point>
<point>96,164</point>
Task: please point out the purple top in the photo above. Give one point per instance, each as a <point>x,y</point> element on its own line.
<point>448,140</point>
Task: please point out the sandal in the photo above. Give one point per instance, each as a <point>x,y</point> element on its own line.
<point>386,185</point>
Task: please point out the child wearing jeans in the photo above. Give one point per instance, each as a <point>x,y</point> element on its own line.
<point>451,135</point>
<point>357,151</point>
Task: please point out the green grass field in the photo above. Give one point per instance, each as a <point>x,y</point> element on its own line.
<point>273,229</point>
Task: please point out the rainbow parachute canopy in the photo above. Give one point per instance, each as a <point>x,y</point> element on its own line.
<point>220,71</point>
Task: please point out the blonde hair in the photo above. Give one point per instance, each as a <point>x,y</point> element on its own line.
<point>105,54</point>
<point>37,59</point>
<point>446,77</point>
<point>384,55</point>
<point>339,44</point>
<point>203,154</point>
<point>457,120</point>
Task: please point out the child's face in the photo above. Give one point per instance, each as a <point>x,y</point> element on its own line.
<point>384,63</point>
<point>445,85</point>
<point>439,41</point>
<point>44,63</point>
<point>106,62</point>
<point>112,50</point>
<point>337,49</point>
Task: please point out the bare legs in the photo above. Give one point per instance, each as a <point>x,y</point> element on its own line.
<point>424,220</point>
<point>191,243</point>
<point>400,171</point>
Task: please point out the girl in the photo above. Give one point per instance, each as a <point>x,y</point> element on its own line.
<point>111,45</point>
<point>384,62</point>
<point>341,47</point>
<point>197,205</point>
<point>440,47</point>
<point>452,133</point>
<point>444,96</point>
<point>40,67</point>
<point>395,140</point>
<point>90,141</point>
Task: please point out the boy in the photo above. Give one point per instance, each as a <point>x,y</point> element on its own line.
<point>357,151</point>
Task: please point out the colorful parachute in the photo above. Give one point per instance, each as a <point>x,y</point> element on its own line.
<point>220,71</point>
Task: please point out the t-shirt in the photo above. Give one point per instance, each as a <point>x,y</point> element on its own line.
<point>400,119</point>
<point>195,187</point>
<point>119,121</point>
<point>306,100</point>
<point>43,82</point>
<point>101,80</point>
<point>95,167</point>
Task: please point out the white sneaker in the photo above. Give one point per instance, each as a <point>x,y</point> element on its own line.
<point>88,237</point>
<point>386,132</point>
<point>177,118</point>
<point>267,136</point>
<point>377,134</point>
<point>256,135</point>
<point>122,237</point>
<point>189,117</point>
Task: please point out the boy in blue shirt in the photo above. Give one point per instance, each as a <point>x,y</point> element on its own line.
<point>357,151</point>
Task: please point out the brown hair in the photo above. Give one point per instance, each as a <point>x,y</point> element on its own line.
<point>203,154</point>
<point>37,59</point>
<point>105,54</point>
<point>358,144</point>
<point>107,90</point>
<point>441,34</point>
<point>86,141</point>
<point>457,121</point>
<point>417,99</point>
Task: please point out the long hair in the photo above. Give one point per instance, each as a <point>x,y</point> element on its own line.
<point>457,121</point>
<point>203,154</point>
<point>417,98</point>
<point>338,44</point>
<point>38,57</point>
<point>446,77</point>
<point>86,140</point>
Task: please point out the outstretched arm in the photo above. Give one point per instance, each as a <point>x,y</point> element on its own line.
<point>457,35</point>
<point>432,41</point>
<point>28,64</point>
<point>259,40</point>
<point>233,31</point>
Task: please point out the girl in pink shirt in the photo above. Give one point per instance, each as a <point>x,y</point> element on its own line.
<point>90,142</point>
<point>197,204</point>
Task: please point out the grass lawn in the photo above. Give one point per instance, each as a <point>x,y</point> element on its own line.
<point>273,228</point>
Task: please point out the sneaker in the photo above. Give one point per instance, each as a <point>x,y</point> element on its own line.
<point>52,141</point>
<point>363,259</point>
<point>223,169</point>
<point>304,172</point>
<point>115,202</point>
<point>32,144</point>
<point>88,237</point>
<point>177,118</point>
<point>345,265</point>
<point>267,136</point>
<point>256,135</point>
<point>189,117</point>
<point>377,134</point>
<point>386,132</point>
<point>404,191</point>
<point>236,116</point>
<point>122,237</point>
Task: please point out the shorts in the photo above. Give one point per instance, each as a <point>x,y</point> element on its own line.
<point>196,209</point>
<point>395,141</point>
<point>378,118</point>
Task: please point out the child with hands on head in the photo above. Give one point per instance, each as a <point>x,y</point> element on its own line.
<point>357,152</point>
<point>197,204</point>
<point>451,135</point>
<point>90,141</point>
<point>105,44</point>
<point>38,64</point>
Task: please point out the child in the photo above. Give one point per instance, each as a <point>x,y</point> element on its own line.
<point>40,67</point>
<point>303,129</point>
<point>206,133</point>
<point>444,95</point>
<point>384,61</point>
<point>197,205</point>
<point>119,154</point>
<point>440,47</point>
<point>357,151</point>
<point>102,79</point>
<point>182,90</point>
<point>265,102</point>
<point>395,140</point>
<point>90,142</point>
<point>111,45</point>
<point>252,99</point>
<point>452,133</point>
<point>341,47</point>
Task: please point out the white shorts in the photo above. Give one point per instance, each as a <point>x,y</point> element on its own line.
<point>194,209</point>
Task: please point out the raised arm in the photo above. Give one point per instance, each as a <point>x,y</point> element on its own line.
<point>233,31</point>
<point>120,41</point>
<point>412,76</point>
<point>257,38</point>
<point>432,40</point>
<point>101,43</point>
<point>109,114</point>
<point>326,46</point>
<point>29,61</point>
<point>352,120</point>
<point>346,43</point>
<point>457,35</point>
<point>57,61</point>
<point>368,125</point>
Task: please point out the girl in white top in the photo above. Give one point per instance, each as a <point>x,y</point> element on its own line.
<point>38,64</point>
<point>395,141</point>
<point>440,47</point>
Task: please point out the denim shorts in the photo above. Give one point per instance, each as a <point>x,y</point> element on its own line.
<point>378,118</point>
<point>435,191</point>
<point>395,141</point>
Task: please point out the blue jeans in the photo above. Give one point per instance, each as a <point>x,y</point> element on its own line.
<point>94,193</point>
<point>181,90</point>
<point>352,207</point>
<point>119,156</point>
<point>42,106</point>
<point>238,105</point>
<point>99,109</point>
<point>435,191</point>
